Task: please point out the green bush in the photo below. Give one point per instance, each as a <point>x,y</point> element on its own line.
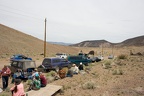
<point>29,82</point>
<point>107,64</point>
<point>89,85</point>
<point>51,73</point>
<point>117,72</point>
<point>122,56</point>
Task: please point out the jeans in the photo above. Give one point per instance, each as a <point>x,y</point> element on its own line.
<point>5,81</point>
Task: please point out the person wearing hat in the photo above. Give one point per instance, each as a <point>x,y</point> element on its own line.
<point>75,69</point>
<point>18,88</point>
<point>34,74</point>
<point>81,66</point>
<point>5,73</point>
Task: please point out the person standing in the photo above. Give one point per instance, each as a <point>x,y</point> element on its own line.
<point>5,73</point>
<point>18,88</point>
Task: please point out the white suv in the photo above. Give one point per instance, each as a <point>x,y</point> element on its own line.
<point>61,55</point>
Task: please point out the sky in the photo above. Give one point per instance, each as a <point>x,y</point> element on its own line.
<point>74,21</point>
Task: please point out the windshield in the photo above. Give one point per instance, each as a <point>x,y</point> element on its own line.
<point>29,65</point>
<point>46,61</point>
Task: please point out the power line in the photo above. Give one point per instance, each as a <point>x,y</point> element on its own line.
<point>18,13</point>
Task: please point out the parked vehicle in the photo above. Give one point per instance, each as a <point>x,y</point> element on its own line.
<point>54,63</point>
<point>77,59</point>
<point>61,55</point>
<point>95,59</point>
<point>19,57</point>
<point>110,56</point>
<point>25,65</point>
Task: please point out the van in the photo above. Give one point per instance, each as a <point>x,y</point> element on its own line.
<point>54,63</point>
<point>77,59</point>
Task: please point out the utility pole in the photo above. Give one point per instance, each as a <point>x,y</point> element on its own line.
<point>45,40</point>
<point>102,49</point>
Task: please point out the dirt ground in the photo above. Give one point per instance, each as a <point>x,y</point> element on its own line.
<point>122,77</point>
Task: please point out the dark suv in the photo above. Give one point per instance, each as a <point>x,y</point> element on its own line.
<point>54,63</point>
<point>78,59</point>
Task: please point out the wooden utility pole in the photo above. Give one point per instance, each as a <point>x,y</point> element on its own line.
<point>45,40</point>
<point>102,50</point>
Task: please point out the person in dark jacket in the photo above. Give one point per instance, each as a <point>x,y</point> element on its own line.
<point>81,66</point>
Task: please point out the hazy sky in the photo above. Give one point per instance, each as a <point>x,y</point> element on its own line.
<point>73,21</point>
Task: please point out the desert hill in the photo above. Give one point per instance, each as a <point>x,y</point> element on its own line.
<point>137,41</point>
<point>16,42</point>
<point>93,43</point>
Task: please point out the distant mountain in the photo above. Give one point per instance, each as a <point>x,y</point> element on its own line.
<point>60,43</point>
<point>93,43</point>
<point>137,41</point>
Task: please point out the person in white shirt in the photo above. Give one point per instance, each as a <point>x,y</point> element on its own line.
<point>75,69</point>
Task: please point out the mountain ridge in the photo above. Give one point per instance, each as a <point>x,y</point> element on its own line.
<point>136,41</point>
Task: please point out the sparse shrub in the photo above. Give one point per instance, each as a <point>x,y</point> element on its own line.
<point>50,79</point>
<point>117,72</point>
<point>122,56</point>
<point>107,64</point>
<point>29,82</point>
<point>51,73</point>
<point>4,94</point>
<point>66,87</point>
<point>89,85</point>
<point>95,75</point>
<point>51,76</point>
<point>37,58</point>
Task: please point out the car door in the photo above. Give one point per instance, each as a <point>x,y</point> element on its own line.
<point>64,62</point>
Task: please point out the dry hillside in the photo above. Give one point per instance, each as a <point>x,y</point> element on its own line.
<point>137,41</point>
<point>16,42</point>
<point>121,76</point>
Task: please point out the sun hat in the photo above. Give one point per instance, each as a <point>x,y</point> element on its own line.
<point>17,81</point>
<point>74,65</point>
<point>35,69</point>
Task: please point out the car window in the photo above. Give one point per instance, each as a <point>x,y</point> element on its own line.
<point>63,60</point>
<point>20,65</point>
<point>14,64</point>
<point>47,61</point>
<point>29,65</point>
<point>56,60</point>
